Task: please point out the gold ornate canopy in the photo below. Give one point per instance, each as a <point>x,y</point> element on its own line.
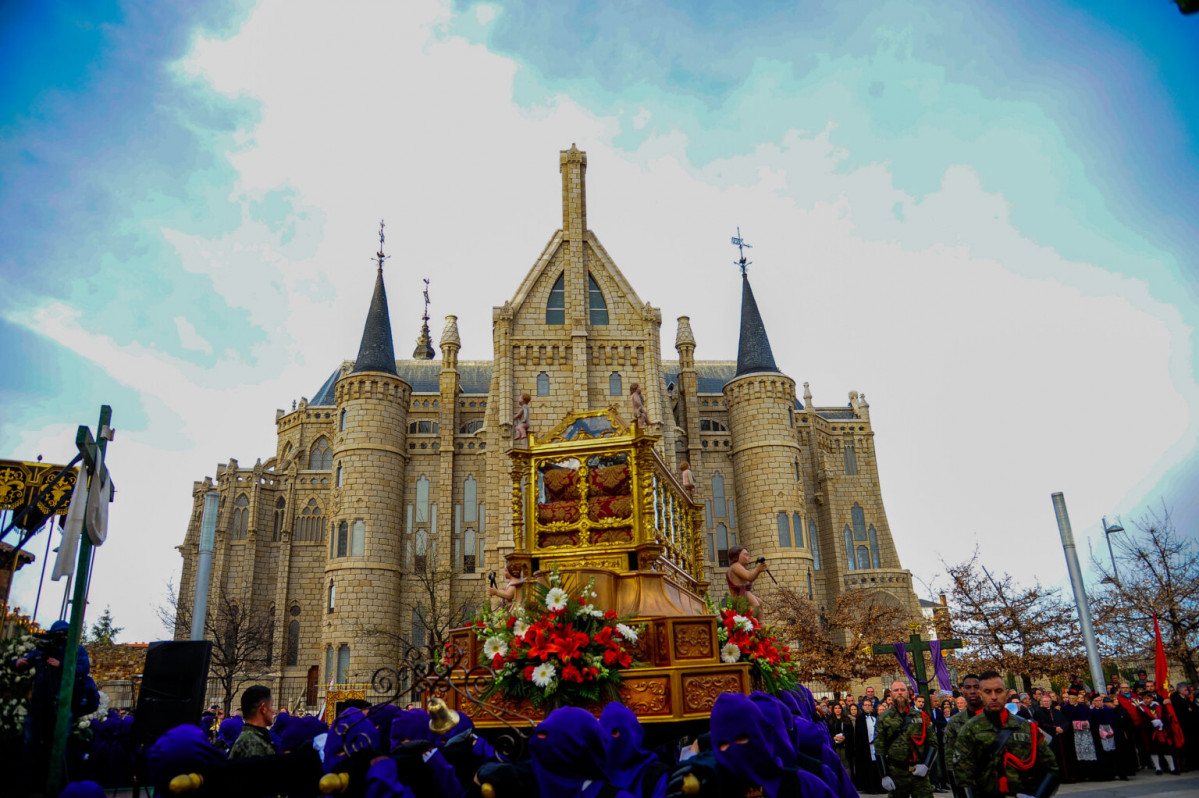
<point>595,498</point>
<point>21,481</point>
<point>597,503</point>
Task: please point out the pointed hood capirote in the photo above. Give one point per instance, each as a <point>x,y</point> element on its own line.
<point>753,347</point>
<point>376,352</point>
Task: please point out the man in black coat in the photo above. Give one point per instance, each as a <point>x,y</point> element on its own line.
<point>1183,701</point>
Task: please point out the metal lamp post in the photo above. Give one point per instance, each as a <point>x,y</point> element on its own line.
<point>1107,534</point>
<point>1080,590</point>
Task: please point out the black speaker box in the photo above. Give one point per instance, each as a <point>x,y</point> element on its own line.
<point>173,687</point>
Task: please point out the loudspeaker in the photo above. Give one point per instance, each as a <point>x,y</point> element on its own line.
<point>173,687</point>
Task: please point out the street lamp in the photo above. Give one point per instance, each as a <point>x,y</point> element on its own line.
<point>1107,534</point>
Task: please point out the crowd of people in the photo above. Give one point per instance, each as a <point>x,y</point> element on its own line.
<point>760,744</point>
<point>1094,737</point>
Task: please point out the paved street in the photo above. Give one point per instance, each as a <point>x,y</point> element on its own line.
<point>1146,783</point>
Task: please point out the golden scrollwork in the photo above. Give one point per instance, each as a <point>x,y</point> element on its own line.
<point>692,641</point>
<point>649,695</point>
<point>700,692</point>
<point>20,482</point>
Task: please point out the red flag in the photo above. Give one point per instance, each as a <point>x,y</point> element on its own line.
<point>1161,671</point>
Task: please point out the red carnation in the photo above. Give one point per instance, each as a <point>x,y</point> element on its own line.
<point>529,673</point>
<point>571,674</point>
<point>609,615</point>
<point>497,662</point>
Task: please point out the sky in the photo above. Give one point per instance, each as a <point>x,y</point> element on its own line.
<point>980,215</point>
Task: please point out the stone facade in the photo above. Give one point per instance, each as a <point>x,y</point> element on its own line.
<point>383,482</point>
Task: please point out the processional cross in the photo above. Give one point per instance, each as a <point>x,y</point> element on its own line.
<point>916,647</point>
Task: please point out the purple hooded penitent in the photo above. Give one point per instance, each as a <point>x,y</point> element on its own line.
<point>382,715</point>
<point>351,732</point>
<point>229,730</point>
<point>300,731</point>
<point>568,750</point>
<point>774,710</point>
<point>627,760</point>
<point>82,789</point>
<point>411,724</point>
<point>743,742</point>
<point>183,749</point>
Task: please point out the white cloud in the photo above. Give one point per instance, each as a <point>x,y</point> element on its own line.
<point>997,371</point>
<point>189,338</point>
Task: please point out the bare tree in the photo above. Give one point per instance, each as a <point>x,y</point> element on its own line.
<point>1028,630</point>
<point>242,638</point>
<point>1156,571</point>
<point>835,647</point>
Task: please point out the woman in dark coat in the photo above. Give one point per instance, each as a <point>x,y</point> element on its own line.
<point>840,730</point>
<point>866,775</point>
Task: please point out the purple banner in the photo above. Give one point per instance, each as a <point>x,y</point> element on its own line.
<point>901,655</point>
<point>939,666</point>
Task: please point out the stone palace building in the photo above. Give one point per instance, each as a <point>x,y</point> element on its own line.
<point>390,490</point>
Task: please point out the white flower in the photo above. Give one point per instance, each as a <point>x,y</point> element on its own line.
<point>627,632</point>
<point>730,653</point>
<point>597,613</point>
<point>585,609</point>
<point>519,628</point>
<point>594,594</point>
<point>493,646</point>
<point>745,624</point>
<point>556,599</point>
<point>543,674</point>
<point>83,724</point>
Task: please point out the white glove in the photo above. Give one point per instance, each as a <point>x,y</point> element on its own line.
<point>1157,724</point>
<point>920,771</point>
<point>888,784</point>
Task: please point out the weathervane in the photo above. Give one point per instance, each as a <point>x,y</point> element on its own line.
<point>379,256</point>
<point>739,242</point>
<point>426,316</point>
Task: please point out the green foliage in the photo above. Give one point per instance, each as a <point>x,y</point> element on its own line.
<point>104,631</point>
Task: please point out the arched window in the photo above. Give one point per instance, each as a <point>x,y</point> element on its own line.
<point>470,543</point>
<point>814,542</point>
<point>543,384</point>
<point>615,384</point>
<point>859,522</point>
<point>343,664</point>
<point>241,517</point>
<point>358,539</point>
<point>343,539</point>
<point>863,558</point>
<point>418,628</point>
<point>293,643</point>
<point>471,427</point>
<point>797,526</point>
<point>341,421</point>
<point>322,455</point>
<point>332,596</point>
<point>711,425</point>
<point>270,635</point>
<point>280,512</point>
<point>310,526</point>
<point>339,475</point>
<point>422,499</point>
<point>784,531</point>
<point>422,551</point>
<point>722,546</point>
<point>555,308</point>
<point>596,305</point>
<point>874,558</point>
<point>328,664</point>
<point>809,585</point>
<point>470,500</point>
<point>849,548</point>
<point>718,504</point>
<point>851,460</point>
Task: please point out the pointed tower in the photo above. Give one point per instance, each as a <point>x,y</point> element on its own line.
<point>361,587</point>
<point>424,343</point>
<point>766,454</point>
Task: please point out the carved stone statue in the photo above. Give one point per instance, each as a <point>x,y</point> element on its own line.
<point>521,419</point>
<point>685,478</point>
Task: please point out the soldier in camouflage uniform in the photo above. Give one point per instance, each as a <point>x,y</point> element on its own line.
<point>974,705</point>
<point>904,743</point>
<point>999,754</point>
<point>255,737</point>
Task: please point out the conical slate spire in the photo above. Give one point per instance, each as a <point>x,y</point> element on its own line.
<point>376,352</point>
<point>753,349</point>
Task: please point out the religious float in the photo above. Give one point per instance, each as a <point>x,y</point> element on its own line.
<point>610,594</point>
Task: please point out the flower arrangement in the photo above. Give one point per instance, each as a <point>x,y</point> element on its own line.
<point>557,649</point>
<point>15,686</point>
<point>744,638</point>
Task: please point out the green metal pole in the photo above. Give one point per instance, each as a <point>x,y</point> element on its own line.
<point>66,693</point>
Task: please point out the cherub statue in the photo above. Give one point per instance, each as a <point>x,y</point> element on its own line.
<point>640,416</point>
<point>521,431</point>
<point>685,477</point>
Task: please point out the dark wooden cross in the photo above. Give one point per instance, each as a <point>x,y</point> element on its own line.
<point>916,646</point>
